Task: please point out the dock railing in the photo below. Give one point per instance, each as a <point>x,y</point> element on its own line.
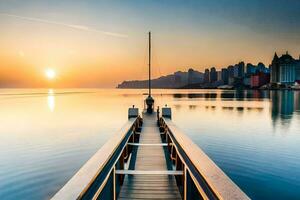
<point>97,178</point>
<point>202,178</point>
<point>197,176</point>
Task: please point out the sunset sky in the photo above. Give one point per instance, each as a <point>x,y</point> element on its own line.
<point>101,43</point>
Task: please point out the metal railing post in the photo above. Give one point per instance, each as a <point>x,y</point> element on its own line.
<point>114,183</point>
<point>184,183</point>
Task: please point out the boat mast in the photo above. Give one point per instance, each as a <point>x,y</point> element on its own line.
<point>149,62</point>
<point>149,100</point>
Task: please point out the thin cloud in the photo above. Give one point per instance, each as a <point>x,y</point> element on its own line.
<point>73,26</point>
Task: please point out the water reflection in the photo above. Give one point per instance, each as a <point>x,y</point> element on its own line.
<point>234,129</point>
<point>211,95</point>
<point>227,107</point>
<point>192,107</point>
<point>297,101</point>
<point>283,103</point>
<point>241,109</point>
<point>227,95</point>
<point>177,106</point>
<point>51,100</point>
<point>252,135</point>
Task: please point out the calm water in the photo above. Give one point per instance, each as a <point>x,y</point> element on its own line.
<point>47,135</point>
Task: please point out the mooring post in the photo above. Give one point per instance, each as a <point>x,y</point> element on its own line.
<point>167,112</point>
<point>133,112</point>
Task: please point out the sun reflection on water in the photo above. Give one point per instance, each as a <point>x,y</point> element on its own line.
<point>51,100</point>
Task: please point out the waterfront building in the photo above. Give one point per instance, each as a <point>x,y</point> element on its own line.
<point>259,79</point>
<point>199,77</point>
<point>247,80</point>
<point>230,71</point>
<point>250,69</point>
<point>283,69</point>
<point>213,75</point>
<point>298,71</point>
<point>241,69</point>
<point>231,80</point>
<point>219,76</point>
<point>224,72</point>
<point>287,67</point>
<point>262,68</point>
<point>236,71</point>
<point>275,69</point>
<point>206,76</point>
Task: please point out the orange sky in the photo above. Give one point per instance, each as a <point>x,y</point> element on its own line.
<point>89,48</point>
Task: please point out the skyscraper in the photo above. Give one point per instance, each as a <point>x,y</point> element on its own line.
<point>219,76</point>
<point>225,76</point>
<point>230,74</point>
<point>250,69</point>
<point>241,69</point>
<point>275,69</point>
<point>190,76</point>
<point>262,68</point>
<point>206,76</point>
<point>213,75</point>
<point>230,71</point>
<point>236,71</point>
<point>283,69</point>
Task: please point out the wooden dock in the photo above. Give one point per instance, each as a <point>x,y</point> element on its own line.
<point>147,180</point>
<point>140,162</point>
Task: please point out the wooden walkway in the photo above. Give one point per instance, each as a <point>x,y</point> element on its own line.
<point>150,158</point>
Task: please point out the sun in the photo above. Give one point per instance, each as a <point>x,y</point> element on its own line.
<point>50,73</point>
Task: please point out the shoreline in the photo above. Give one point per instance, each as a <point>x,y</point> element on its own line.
<point>263,89</point>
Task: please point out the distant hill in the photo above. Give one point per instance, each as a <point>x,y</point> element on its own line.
<point>177,80</point>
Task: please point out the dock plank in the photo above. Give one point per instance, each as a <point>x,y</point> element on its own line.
<point>150,158</point>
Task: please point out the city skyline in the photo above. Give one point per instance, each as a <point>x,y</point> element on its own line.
<point>283,72</point>
<point>88,43</point>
